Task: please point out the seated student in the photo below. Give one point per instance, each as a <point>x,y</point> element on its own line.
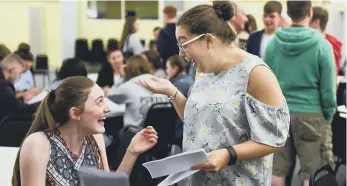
<point>4,51</point>
<point>10,69</point>
<point>25,80</point>
<point>154,62</point>
<point>70,67</point>
<point>131,93</point>
<point>176,71</point>
<point>66,135</point>
<point>111,72</point>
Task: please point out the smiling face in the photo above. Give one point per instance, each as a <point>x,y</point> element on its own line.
<point>116,59</point>
<point>196,52</point>
<point>271,20</point>
<point>94,112</point>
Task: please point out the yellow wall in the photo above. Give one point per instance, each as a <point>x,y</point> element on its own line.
<point>105,28</point>
<point>14,23</point>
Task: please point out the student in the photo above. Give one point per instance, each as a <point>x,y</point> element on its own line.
<point>154,63</point>
<point>303,62</point>
<point>25,80</point>
<point>176,71</point>
<point>259,40</point>
<point>136,98</point>
<point>70,67</point>
<point>10,69</point>
<point>167,43</point>
<point>236,111</point>
<point>129,42</point>
<point>111,73</point>
<point>319,22</point>
<point>67,134</point>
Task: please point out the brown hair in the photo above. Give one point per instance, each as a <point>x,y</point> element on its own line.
<point>170,11</point>
<point>136,65</point>
<point>54,109</point>
<point>297,10</point>
<point>273,6</point>
<point>4,51</point>
<point>128,29</point>
<point>153,58</point>
<point>214,19</point>
<point>10,59</point>
<point>322,15</point>
<point>251,23</point>
<point>179,62</point>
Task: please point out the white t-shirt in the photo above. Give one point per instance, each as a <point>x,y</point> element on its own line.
<point>263,44</point>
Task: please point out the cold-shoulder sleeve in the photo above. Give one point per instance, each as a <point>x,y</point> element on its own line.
<point>269,125</point>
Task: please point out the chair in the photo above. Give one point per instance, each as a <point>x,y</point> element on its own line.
<point>97,53</point>
<point>328,179</point>
<point>13,129</point>
<point>163,117</point>
<point>82,49</point>
<point>112,44</point>
<point>42,67</point>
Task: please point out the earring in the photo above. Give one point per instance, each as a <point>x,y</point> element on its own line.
<point>78,118</point>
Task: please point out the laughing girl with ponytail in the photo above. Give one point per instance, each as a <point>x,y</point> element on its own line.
<point>67,134</point>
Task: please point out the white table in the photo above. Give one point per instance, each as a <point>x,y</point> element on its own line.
<point>7,159</point>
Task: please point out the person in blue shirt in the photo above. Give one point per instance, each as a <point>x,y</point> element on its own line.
<point>176,71</point>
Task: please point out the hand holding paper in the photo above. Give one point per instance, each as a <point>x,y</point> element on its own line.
<point>178,166</point>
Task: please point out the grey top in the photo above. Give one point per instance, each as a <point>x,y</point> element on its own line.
<point>219,112</point>
<point>160,73</point>
<point>133,44</point>
<point>137,100</point>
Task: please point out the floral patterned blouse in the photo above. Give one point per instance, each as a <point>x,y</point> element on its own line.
<point>219,112</point>
<point>63,165</point>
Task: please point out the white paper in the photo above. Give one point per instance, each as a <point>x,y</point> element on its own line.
<point>176,164</point>
<point>95,177</point>
<point>174,178</point>
<point>38,97</point>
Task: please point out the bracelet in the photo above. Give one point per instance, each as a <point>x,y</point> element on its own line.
<point>132,152</point>
<point>171,98</point>
<point>233,155</point>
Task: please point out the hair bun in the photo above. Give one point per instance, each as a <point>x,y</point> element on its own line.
<point>224,9</point>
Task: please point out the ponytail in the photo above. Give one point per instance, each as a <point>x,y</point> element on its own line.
<point>54,110</point>
<point>43,121</point>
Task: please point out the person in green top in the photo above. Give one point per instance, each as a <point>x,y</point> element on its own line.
<point>304,65</point>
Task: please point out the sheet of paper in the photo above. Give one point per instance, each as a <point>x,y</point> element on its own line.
<point>174,178</point>
<point>95,177</point>
<point>175,164</point>
<point>38,97</point>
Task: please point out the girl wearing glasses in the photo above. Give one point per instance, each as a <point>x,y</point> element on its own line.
<point>236,111</point>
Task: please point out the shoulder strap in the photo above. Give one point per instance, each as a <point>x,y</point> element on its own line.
<point>96,151</point>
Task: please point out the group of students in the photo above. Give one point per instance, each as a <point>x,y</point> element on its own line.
<point>246,113</point>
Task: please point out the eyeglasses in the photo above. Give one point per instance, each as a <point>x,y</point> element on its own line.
<point>181,46</point>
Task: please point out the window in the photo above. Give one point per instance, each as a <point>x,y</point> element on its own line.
<point>117,9</point>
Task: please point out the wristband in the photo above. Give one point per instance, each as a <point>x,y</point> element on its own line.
<point>233,155</point>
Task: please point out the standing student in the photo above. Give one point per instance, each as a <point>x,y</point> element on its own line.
<point>319,22</point>
<point>259,40</point>
<point>129,42</point>
<point>166,42</point>
<point>66,135</point>
<point>303,62</point>
<point>236,111</point>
